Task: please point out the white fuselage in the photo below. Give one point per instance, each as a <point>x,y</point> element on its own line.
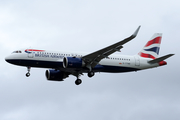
<point>54,60</point>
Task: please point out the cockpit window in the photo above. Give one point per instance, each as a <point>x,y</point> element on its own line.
<point>18,51</point>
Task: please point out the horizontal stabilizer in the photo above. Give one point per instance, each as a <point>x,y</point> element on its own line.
<point>160,59</point>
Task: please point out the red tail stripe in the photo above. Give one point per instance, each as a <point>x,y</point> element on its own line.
<point>146,55</point>
<point>156,40</point>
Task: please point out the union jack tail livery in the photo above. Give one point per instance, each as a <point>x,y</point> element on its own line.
<point>151,49</point>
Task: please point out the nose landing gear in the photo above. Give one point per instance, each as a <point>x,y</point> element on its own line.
<point>28,73</point>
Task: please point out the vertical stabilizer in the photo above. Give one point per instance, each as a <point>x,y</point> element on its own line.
<point>151,49</point>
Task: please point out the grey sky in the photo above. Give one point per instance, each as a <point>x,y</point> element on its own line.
<point>89,26</point>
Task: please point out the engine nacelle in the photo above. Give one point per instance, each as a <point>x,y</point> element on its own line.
<point>72,62</point>
<point>55,75</point>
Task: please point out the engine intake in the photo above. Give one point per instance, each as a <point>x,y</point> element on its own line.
<point>54,75</point>
<point>72,62</point>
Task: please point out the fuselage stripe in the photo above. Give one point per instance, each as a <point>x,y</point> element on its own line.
<point>34,50</point>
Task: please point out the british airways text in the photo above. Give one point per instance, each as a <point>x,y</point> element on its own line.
<point>49,56</point>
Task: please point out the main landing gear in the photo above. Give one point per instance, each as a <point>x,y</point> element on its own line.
<point>79,81</point>
<point>90,74</point>
<point>28,73</point>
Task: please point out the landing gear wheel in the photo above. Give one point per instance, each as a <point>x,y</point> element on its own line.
<point>90,74</point>
<point>28,69</point>
<point>27,74</point>
<point>78,81</point>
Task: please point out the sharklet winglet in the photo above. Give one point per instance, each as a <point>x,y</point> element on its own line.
<point>136,32</point>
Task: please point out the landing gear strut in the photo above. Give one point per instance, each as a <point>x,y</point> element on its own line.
<point>28,73</point>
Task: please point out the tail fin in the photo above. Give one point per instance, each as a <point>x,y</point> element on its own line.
<point>151,49</point>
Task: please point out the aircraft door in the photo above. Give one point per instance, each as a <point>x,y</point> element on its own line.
<point>137,61</point>
<point>30,54</point>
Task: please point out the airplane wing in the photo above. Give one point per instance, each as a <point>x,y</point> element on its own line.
<point>94,58</point>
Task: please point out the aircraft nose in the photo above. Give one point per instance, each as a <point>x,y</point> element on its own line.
<point>12,60</point>
<point>7,59</point>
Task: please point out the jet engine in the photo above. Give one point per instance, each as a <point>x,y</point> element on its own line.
<point>72,62</point>
<point>55,75</point>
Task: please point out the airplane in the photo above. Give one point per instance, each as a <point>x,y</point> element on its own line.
<point>62,64</point>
